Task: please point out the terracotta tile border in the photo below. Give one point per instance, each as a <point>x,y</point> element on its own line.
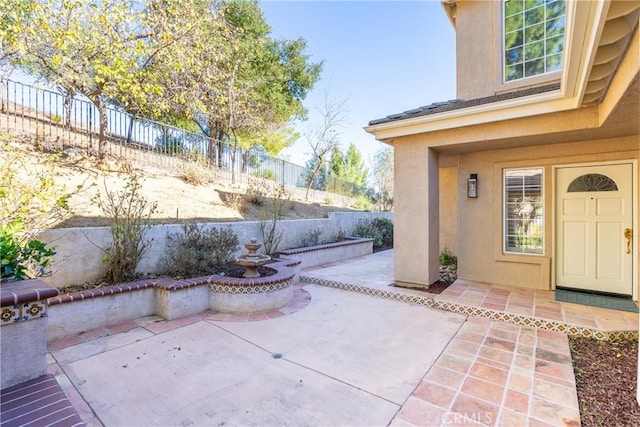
<point>498,315</point>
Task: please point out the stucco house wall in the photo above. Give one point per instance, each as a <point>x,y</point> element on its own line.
<point>480,221</point>
<point>448,176</point>
<point>474,49</point>
<point>479,47</point>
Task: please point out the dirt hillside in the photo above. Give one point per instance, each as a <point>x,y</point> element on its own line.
<point>193,194</point>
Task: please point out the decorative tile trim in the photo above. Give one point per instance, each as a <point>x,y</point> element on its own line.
<point>34,310</point>
<point>411,299</point>
<point>517,319</point>
<point>23,312</point>
<point>251,289</point>
<point>11,314</point>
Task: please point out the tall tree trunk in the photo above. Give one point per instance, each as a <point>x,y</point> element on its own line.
<point>130,131</point>
<point>102,136</point>
<point>234,153</point>
<point>68,103</point>
<point>215,144</point>
<point>220,146</point>
<point>313,177</point>
<point>245,161</point>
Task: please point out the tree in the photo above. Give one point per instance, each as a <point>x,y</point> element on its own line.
<point>243,84</point>
<point>270,142</point>
<point>355,172</point>
<point>347,172</point>
<point>324,137</point>
<point>13,19</point>
<point>383,177</point>
<point>102,49</point>
<point>336,164</point>
<point>314,175</point>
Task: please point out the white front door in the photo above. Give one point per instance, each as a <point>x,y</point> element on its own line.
<point>594,212</point>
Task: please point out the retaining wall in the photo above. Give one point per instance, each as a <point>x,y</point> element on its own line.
<point>78,256</point>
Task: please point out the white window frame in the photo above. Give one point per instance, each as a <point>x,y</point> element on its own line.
<point>503,62</point>
<point>539,222</point>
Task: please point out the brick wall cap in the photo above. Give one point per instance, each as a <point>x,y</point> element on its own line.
<point>22,291</point>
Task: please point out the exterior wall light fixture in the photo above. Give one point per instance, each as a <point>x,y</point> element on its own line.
<point>472,186</point>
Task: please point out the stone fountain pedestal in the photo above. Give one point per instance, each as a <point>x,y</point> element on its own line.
<point>252,260</point>
<point>253,293</point>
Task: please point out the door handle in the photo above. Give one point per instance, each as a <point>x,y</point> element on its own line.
<point>628,233</point>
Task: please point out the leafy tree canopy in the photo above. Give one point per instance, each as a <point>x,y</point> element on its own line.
<point>212,61</point>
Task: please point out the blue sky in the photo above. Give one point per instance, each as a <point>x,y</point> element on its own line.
<point>383,57</point>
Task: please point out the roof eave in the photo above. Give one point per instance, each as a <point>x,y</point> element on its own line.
<point>578,63</point>
<point>450,8</point>
<point>533,105</point>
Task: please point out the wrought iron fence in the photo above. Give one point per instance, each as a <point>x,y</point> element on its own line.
<point>71,122</point>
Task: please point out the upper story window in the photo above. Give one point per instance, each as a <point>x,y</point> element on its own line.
<point>533,37</point>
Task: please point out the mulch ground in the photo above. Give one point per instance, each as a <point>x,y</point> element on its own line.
<point>606,381</point>
<point>229,270</point>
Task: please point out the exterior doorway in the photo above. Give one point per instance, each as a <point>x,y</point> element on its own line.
<point>594,226</point>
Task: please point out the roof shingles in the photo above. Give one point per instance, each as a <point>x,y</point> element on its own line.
<point>458,104</point>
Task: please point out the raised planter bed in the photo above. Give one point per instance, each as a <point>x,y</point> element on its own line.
<point>170,299</point>
<point>313,256</point>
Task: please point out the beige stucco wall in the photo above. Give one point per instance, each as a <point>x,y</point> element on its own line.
<point>474,48</point>
<point>78,256</point>
<point>479,38</point>
<point>480,255</point>
<point>448,208</point>
<point>477,223</point>
<point>416,213</point>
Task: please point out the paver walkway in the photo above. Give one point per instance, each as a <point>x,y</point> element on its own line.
<point>495,373</point>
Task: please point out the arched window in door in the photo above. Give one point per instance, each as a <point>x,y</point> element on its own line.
<point>592,182</point>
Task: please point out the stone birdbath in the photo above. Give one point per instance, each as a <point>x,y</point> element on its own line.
<point>252,260</point>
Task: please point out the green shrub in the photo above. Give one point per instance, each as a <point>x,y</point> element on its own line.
<point>30,201</point>
<point>447,259</point>
<point>362,203</point>
<point>265,174</point>
<point>378,229</point>
<point>21,260</point>
<point>198,251</point>
<point>338,236</point>
<point>130,213</point>
<point>312,238</point>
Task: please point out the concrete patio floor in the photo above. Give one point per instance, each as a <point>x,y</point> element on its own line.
<point>345,359</point>
<point>334,357</point>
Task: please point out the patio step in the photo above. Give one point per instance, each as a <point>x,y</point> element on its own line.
<point>37,402</point>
